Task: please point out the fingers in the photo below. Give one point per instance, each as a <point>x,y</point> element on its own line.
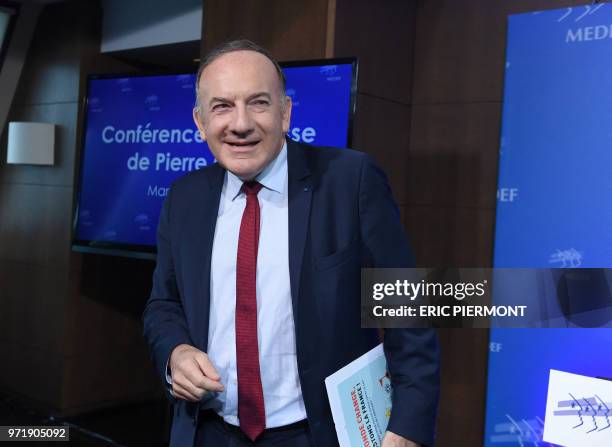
<point>196,377</point>
<point>190,369</point>
<point>180,392</point>
<point>190,389</point>
<point>209,385</point>
<point>207,367</point>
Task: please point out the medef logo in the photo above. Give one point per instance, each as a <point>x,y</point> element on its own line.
<point>124,85</point>
<point>85,218</point>
<point>185,80</point>
<point>570,258</point>
<point>94,104</point>
<point>495,347</point>
<point>142,220</point>
<point>589,33</point>
<point>507,194</point>
<point>586,33</point>
<point>329,71</point>
<point>152,102</point>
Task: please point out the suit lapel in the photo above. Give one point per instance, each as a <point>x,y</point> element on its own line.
<point>300,197</point>
<point>205,220</point>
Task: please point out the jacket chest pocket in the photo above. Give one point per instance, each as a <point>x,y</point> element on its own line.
<point>338,258</point>
<point>337,285</point>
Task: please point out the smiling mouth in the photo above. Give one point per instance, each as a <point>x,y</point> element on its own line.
<point>242,144</point>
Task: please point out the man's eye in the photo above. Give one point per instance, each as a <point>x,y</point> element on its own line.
<point>260,102</point>
<point>220,106</point>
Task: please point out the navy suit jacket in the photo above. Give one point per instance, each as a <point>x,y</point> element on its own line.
<point>342,217</point>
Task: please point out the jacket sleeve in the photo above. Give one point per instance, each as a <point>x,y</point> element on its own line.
<point>163,319</point>
<point>412,354</point>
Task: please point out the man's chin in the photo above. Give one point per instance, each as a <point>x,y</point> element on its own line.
<point>245,171</point>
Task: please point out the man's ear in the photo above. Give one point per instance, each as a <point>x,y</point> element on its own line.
<point>287,114</point>
<point>198,122</point>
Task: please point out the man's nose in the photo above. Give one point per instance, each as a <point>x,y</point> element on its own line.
<point>242,123</point>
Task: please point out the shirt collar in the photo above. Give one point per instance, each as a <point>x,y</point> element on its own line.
<point>272,177</point>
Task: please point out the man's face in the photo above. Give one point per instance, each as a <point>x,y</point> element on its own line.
<point>242,117</point>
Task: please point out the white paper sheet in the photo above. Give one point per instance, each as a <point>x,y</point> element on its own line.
<point>578,411</point>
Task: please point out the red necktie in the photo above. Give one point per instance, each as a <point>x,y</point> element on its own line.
<point>251,411</point>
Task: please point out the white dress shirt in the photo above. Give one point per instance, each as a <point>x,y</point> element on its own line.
<point>275,326</point>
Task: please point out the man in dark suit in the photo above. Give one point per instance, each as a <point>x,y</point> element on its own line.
<point>256,293</point>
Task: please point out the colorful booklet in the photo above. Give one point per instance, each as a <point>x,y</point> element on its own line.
<point>360,400</point>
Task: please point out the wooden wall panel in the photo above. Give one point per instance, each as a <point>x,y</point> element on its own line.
<point>35,224</point>
<point>464,371</point>
<point>96,379</point>
<point>381,35</point>
<point>105,303</point>
<point>31,373</point>
<point>35,217</point>
<point>453,154</point>
<point>33,298</point>
<point>382,129</point>
<point>289,30</point>
<point>460,47</point>
<point>74,329</point>
<point>449,236</point>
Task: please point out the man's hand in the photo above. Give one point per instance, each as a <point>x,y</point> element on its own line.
<point>192,373</point>
<point>392,440</point>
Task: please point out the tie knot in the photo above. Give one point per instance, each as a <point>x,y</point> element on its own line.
<point>251,188</point>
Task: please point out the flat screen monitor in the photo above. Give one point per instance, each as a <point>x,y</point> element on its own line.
<point>139,136</point>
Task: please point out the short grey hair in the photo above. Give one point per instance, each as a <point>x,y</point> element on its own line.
<point>233,46</point>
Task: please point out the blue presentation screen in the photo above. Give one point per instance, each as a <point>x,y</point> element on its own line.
<point>554,206</point>
<point>139,137</point>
